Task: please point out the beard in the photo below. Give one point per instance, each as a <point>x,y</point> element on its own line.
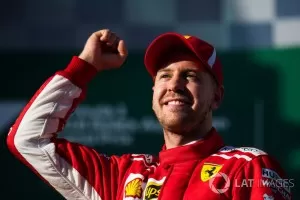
<point>181,119</point>
<point>179,122</point>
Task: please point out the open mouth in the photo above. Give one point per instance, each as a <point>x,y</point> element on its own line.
<point>176,102</point>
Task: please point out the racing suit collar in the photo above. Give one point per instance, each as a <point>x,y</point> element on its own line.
<point>195,151</point>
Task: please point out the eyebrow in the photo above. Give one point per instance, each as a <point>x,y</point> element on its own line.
<point>164,70</point>
<point>183,71</point>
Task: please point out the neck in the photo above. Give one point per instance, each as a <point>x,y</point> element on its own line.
<point>178,138</point>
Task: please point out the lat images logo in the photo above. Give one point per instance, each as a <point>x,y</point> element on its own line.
<point>224,188</point>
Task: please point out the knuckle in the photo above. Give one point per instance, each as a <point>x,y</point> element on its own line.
<point>106,31</point>
<point>113,35</point>
<point>106,35</point>
<point>113,38</point>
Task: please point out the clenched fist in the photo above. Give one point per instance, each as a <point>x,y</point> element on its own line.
<point>104,50</point>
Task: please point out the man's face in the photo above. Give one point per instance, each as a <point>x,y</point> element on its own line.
<point>183,94</point>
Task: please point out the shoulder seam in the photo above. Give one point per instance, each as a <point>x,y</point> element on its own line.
<point>244,164</point>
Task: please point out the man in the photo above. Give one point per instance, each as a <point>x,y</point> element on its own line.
<point>194,162</point>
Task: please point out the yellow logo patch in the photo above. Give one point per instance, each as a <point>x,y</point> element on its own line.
<point>134,188</point>
<point>152,190</point>
<point>209,170</point>
<point>186,36</point>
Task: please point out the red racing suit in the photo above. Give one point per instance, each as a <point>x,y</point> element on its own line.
<point>205,169</point>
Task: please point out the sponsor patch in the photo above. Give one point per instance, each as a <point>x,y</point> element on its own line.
<point>146,157</point>
<point>134,188</point>
<point>268,173</point>
<point>252,150</point>
<point>276,183</point>
<point>209,170</point>
<point>268,197</point>
<point>152,189</point>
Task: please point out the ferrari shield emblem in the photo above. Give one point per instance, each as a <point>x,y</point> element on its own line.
<point>187,36</point>
<point>209,170</point>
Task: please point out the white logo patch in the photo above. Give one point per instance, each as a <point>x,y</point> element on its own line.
<point>251,150</point>
<point>267,197</point>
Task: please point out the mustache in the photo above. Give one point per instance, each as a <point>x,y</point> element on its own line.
<point>181,96</point>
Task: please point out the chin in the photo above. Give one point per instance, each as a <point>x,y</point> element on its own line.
<point>176,124</point>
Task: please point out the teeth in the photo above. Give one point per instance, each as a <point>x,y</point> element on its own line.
<point>175,102</point>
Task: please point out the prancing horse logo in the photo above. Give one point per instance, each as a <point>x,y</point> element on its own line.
<point>209,170</point>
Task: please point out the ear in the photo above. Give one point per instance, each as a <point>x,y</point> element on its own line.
<point>153,79</point>
<point>218,97</point>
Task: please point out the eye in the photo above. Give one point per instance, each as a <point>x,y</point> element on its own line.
<point>191,76</point>
<point>165,75</point>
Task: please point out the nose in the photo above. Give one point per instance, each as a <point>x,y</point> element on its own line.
<point>176,84</point>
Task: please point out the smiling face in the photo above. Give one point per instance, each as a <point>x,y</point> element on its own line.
<point>183,94</point>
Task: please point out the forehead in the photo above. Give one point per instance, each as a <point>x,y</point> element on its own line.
<point>181,61</point>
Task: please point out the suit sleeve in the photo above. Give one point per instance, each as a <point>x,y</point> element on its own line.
<point>262,179</point>
<point>74,170</point>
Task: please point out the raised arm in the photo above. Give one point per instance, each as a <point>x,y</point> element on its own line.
<point>76,171</point>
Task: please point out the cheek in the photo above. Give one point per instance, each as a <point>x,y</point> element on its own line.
<point>157,92</point>
<point>200,95</point>
<point>195,91</point>
<point>155,96</point>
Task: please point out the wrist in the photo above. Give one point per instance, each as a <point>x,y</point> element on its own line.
<point>91,60</point>
<point>79,71</point>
